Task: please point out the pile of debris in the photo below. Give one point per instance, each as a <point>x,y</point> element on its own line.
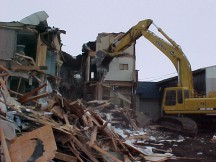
<point>64,130</point>
<point>41,125</point>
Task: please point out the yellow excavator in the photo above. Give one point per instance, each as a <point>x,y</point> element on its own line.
<point>177,101</point>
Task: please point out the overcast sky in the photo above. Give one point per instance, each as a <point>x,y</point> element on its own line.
<point>190,23</point>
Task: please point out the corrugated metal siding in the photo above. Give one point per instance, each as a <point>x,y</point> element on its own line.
<point>8,40</point>
<point>148,90</point>
<point>200,82</point>
<point>210,79</point>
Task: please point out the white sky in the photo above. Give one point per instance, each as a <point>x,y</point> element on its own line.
<point>190,23</point>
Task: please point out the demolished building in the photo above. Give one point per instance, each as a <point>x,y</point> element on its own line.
<point>116,81</point>
<point>30,48</point>
<point>89,120</point>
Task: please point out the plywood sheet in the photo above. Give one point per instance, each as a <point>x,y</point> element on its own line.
<point>4,146</point>
<point>41,53</point>
<point>23,147</point>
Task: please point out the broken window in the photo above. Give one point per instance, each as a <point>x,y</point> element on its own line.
<point>27,43</point>
<point>123,66</point>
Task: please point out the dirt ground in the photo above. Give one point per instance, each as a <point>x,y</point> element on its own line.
<point>201,148</point>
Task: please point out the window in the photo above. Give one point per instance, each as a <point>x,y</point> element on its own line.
<point>170,98</point>
<point>92,75</point>
<point>123,66</point>
<point>180,97</point>
<point>186,94</point>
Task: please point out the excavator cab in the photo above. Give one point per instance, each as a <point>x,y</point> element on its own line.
<point>174,102</point>
<point>174,99</point>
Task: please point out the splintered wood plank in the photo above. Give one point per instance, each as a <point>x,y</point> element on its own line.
<point>29,94</point>
<point>84,149</point>
<point>4,146</point>
<point>126,159</point>
<point>136,137</point>
<point>61,137</point>
<point>23,147</point>
<point>73,107</point>
<point>155,158</point>
<point>34,98</point>
<point>4,90</point>
<point>102,106</point>
<point>65,157</point>
<point>30,59</point>
<point>96,119</point>
<point>106,153</point>
<point>40,52</point>
<point>17,67</point>
<point>93,136</point>
<point>4,68</point>
<point>58,111</point>
<point>4,74</point>
<point>66,119</point>
<point>75,152</point>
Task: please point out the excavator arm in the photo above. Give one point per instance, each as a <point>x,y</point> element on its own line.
<point>169,48</point>
<point>125,40</point>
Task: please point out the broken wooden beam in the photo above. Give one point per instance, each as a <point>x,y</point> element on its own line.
<point>75,152</point>
<point>58,111</point>
<point>93,137</point>
<point>33,98</point>
<point>26,95</point>
<point>4,68</point>
<point>106,153</point>
<point>65,157</point>
<point>4,146</point>
<point>84,149</point>
<point>12,65</point>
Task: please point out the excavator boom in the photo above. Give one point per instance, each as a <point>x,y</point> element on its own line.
<point>125,40</point>
<point>169,48</point>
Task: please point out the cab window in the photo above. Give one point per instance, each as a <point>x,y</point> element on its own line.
<point>180,97</point>
<point>186,94</point>
<point>170,98</point>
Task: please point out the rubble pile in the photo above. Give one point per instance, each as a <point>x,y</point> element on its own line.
<point>119,117</point>
<point>41,125</point>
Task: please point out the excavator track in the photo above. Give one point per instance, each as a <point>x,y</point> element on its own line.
<point>183,125</point>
